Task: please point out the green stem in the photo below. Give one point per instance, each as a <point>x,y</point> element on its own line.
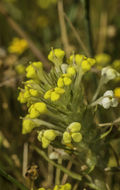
<point>12,180</point>
<point>86,4</point>
<point>71,174</point>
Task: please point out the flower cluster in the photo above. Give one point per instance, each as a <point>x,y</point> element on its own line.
<point>58,108</point>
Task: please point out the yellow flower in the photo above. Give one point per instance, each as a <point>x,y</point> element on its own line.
<point>27,126</point>
<point>116,65</point>
<point>67,81</point>
<point>71,71</point>
<point>33,92</point>
<point>85,66</point>
<point>56,56</point>
<point>41,107</point>
<point>31,70</point>
<point>78,58</point>
<point>21,97</point>
<point>41,188</point>
<point>47,95</point>
<point>50,134</point>
<point>67,186</point>
<point>55,96</point>
<point>91,61</point>
<point>18,46</point>
<point>45,142</point>
<point>60,82</point>
<point>103,59</point>
<point>37,109</point>
<point>117,92</point>
<point>59,90</point>
<point>20,69</point>
<point>26,94</point>
<point>77,137</point>
<point>66,137</point>
<point>74,127</point>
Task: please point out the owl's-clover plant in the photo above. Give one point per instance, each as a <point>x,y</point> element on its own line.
<point>59,111</point>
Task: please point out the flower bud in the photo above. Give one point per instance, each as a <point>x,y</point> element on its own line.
<point>67,81</point>
<point>71,71</point>
<point>74,127</point>
<point>50,134</point>
<point>45,142</point>
<point>85,66</point>
<point>54,96</point>
<point>56,56</point>
<point>59,90</point>
<point>66,137</point>
<point>60,82</point>
<point>77,137</point>
<point>27,126</point>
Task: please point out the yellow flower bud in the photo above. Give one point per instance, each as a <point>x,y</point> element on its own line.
<point>33,113</point>
<point>60,82</point>
<point>116,65</point>
<point>26,94</point>
<point>45,142</point>
<point>50,134</point>
<point>33,92</point>
<point>18,46</point>
<point>91,61</point>
<point>38,65</point>
<point>56,55</point>
<point>54,96</point>
<point>59,90</point>
<point>41,107</point>
<point>37,109</point>
<point>103,59</point>
<point>74,127</point>
<point>78,58</point>
<point>47,95</point>
<point>77,137</point>
<point>71,71</point>
<point>57,187</point>
<point>31,73</point>
<point>20,69</point>
<point>117,92</point>
<point>27,126</point>
<point>32,68</point>
<point>21,98</point>
<point>67,81</point>
<point>67,186</point>
<point>66,137</point>
<point>85,66</point>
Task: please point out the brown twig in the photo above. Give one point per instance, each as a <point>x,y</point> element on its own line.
<point>102,33</point>
<point>23,34</point>
<point>77,36</point>
<point>64,179</point>
<point>63,27</point>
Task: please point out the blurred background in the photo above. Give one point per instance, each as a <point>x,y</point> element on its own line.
<point>28,30</point>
